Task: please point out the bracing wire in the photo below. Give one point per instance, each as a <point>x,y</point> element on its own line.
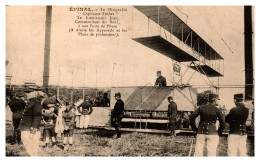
<point>187,16</point>
<point>222,39</point>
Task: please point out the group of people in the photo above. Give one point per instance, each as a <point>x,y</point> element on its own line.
<point>32,108</point>
<point>58,117</point>
<point>208,133</point>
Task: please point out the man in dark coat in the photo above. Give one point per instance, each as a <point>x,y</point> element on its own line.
<point>160,81</point>
<point>207,127</point>
<point>17,106</point>
<point>30,122</point>
<point>172,115</point>
<point>118,113</point>
<point>237,118</point>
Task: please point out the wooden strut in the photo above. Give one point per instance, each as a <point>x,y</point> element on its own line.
<point>187,37</point>
<point>146,97</point>
<point>191,146</point>
<point>191,76</point>
<point>184,74</point>
<point>186,96</point>
<point>171,27</point>
<point>207,76</point>
<point>165,29</point>
<point>159,20</point>
<point>132,21</point>
<point>201,75</point>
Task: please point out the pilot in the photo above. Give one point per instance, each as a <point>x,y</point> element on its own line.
<point>207,126</point>
<point>237,118</point>
<point>160,81</point>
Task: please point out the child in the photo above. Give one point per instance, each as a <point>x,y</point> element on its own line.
<point>49,119</point>
<point>68,122</point>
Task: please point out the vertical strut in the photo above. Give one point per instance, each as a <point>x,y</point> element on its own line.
<point>171,28</point>
<point>159,20</point>
<point>191,40</point>
<point>148,25</point>
<point>182,32</point>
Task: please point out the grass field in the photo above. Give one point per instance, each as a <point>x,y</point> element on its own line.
<point>100,142</point>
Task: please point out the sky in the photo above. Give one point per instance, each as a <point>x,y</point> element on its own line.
<point>118,61</point>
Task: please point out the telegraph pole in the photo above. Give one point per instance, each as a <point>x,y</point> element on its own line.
<point>47,49</point>
<point>249,81</point>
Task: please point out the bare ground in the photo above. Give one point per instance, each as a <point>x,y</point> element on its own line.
<point>100,142</point>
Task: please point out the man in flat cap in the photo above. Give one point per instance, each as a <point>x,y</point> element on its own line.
<point>207,126</point>
<point>118,113</point>
<point>160,81</point>
<point>17,106</point>
<point>172,115</point>
<point>237,118</point>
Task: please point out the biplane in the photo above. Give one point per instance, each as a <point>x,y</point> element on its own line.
<point>146,107</point>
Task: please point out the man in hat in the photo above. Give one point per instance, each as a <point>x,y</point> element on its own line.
<point>30,122</point>
<point>85,112</point>
<point>17,106</point>
<point>172,115</point>
<point>160,81</point>
<point>237,118</point>
<point>118,113</point>
<point>207,126</point>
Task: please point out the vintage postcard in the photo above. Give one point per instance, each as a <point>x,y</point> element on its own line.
<point>174,81</point>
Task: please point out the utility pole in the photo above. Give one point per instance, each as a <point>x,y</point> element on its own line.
<point>72,89</point>
<point>84,81</point>
<point>58,88</point>
<point>249,81</point>
<point>47,49</point>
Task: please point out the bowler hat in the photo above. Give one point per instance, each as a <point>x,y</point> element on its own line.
<point>118,94</point>
<point>238,96</point>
